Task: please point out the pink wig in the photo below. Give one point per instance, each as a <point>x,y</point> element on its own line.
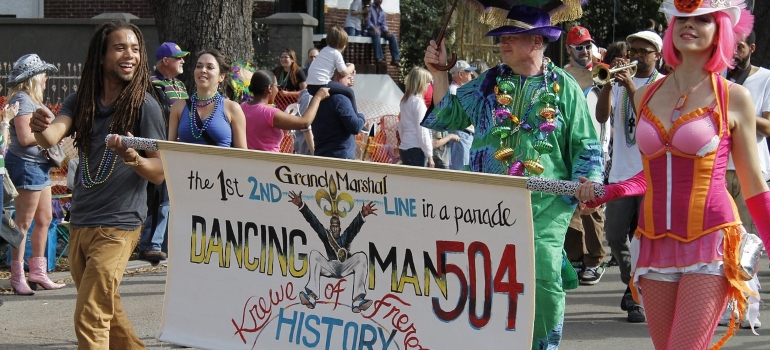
<point>725,41</point>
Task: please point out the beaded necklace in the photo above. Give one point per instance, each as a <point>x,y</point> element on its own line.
<point>194,130</point>
<point>206,101</point>
<point>629,116</point>
<point>283,79</point>
<point>507,123</point>
<point>103,172</point>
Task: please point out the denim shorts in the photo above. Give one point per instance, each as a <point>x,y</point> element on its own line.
<point>27,175</point>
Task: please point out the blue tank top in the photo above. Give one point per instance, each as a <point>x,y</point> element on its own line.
<point>219,128</point>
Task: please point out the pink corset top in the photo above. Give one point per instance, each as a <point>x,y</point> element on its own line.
<point>692,134</point>
<point>686,195</point>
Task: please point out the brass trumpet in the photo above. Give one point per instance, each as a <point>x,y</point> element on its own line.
<point>603,75</point>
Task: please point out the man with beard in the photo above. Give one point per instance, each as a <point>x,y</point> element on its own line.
<point>757,80</point>
<point>583,240</point>
<point>170,63</point>
<point>580,47</point>
<point>616,101</point>
<point>109,202</point>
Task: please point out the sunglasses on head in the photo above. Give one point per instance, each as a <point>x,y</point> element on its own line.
<point>639,52</point>
<point>580,48</point>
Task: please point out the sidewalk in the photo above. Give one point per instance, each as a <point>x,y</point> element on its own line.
<point>142,292</point>
<point>593,317</point>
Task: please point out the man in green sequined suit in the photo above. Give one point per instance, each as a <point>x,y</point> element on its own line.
<point>531,119</point>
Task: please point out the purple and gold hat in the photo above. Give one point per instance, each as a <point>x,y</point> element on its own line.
<point>169,49</point>
<point>528,20</point>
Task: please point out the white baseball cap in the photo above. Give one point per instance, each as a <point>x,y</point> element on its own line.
<point>649,36</point>
<point>460,66</point>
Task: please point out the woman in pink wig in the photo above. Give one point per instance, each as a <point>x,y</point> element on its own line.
<point>686,247</point>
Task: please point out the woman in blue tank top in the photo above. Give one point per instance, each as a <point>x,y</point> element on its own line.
<point>208,118</point>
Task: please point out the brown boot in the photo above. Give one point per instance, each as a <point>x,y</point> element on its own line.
<point>38,275</point>
<point>18,282</point>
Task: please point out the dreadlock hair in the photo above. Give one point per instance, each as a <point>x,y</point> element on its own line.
<point>128,107</point>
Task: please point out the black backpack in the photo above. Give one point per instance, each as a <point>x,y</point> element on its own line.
<point>155,193</point>
<point>163,100</point>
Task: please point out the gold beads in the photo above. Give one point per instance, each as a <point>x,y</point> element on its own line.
<point>503,154</point>
<point>533,166</point>
<point>504,99</point>
<point>547,113</point>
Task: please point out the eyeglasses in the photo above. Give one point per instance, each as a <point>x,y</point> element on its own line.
<point>282,56</point>
<point>580,48</point>
<point>639,52</point>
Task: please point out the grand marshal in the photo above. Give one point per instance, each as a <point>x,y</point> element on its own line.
<point>285,175</point>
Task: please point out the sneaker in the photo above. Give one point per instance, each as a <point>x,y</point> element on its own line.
<point>724,320</point>
<point>578,266</point>
<point>361,305</point>
<point>307,298</point>
<point>745,324</point>
<point>154,256</point>
<point>627,299</point>
<point>612,262</point>
<point>636,314</point>
<point>591,275</point>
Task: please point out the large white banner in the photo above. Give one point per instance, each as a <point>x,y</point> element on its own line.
<point>276,251</point>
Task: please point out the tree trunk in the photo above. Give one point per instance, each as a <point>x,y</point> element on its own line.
<point>761,57</point>
<point>202,24</point>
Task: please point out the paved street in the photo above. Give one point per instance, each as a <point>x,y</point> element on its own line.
<point>593,321</point>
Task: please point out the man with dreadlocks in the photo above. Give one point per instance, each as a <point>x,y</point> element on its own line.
<point>109,199</point>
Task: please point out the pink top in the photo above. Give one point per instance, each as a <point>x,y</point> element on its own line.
<point>684,167</point>
<point>261,135</point>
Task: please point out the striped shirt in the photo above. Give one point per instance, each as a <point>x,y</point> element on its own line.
<point>173,87</point>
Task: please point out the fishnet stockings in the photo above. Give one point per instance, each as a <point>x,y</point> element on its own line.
<point>659,306</point>
<point>684,315</point>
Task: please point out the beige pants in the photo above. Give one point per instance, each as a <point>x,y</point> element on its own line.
<point>98,257</point>
<point>584,238</point>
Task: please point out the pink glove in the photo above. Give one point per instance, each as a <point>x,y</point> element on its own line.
<point>759,208</point>
<point>635,186</point>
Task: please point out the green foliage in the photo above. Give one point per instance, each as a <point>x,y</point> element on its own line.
<point>421,22</point>
<point>262,58</point>
<point>629,16</point>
